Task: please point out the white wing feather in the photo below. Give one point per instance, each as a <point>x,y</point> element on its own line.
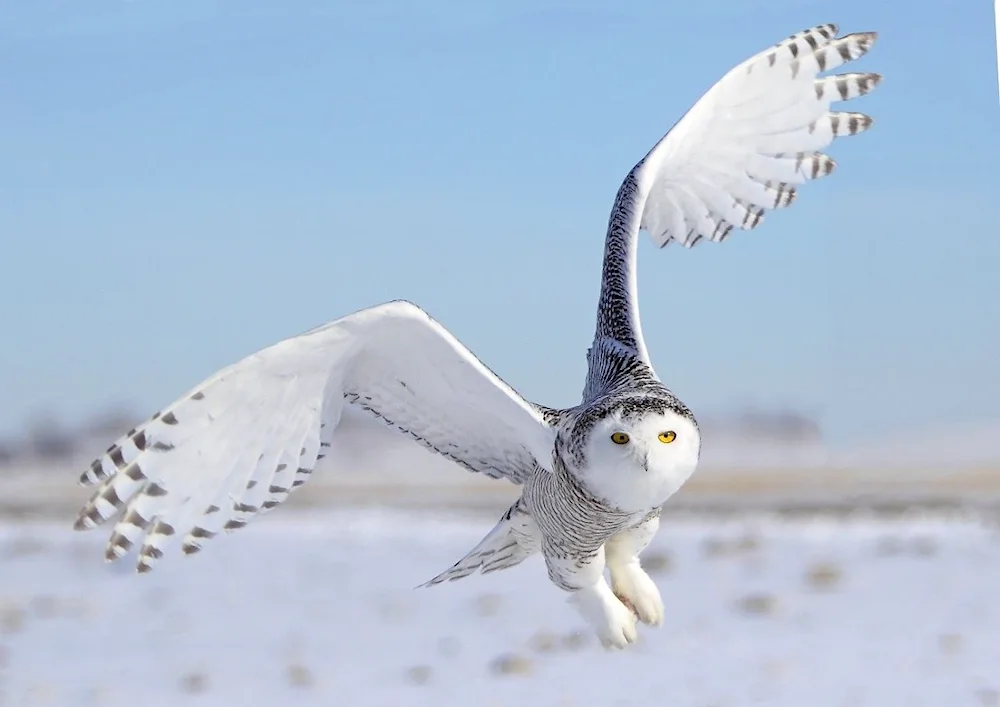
<point>751,137</point>
<point>240,441</point>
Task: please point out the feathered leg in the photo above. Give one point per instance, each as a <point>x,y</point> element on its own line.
<point>613,622</point>
<point>629,581</point>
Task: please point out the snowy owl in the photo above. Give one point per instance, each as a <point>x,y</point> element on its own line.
<point>594,476</point>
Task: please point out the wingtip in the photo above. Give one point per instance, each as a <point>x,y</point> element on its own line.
<point>866,39</point>
<point>85,520</point>
<point>148,557</point>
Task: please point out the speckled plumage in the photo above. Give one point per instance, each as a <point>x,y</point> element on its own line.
<point>594,476</point>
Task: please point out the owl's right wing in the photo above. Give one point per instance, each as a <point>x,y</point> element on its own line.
<point>738,152</point>
<point>241,440</point>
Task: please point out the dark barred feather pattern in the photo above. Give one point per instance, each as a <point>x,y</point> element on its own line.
<point>149,512</point>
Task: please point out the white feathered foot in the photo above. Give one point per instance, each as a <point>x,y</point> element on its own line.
<point>614,623</point>
<point>636,590</point>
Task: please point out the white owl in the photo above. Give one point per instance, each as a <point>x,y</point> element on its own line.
<point>594,476</point>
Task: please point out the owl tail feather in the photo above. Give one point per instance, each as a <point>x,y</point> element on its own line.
<point>513,540</point>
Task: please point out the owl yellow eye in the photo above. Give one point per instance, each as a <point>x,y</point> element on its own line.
<point>619,438</point>
<point>667,437</point>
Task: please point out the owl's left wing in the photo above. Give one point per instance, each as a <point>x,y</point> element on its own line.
<point>738,152</point>
<point>241,440</point>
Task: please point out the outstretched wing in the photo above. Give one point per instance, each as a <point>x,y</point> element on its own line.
<point>739,151</point>
<point>240,441</point>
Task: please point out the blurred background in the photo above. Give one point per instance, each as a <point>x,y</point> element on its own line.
<point>186,182</point>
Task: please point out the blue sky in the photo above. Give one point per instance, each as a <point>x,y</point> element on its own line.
<point>185,182</point>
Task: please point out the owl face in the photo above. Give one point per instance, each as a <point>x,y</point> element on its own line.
<point>636,454</point>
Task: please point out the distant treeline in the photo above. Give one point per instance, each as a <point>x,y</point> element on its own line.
<point>45,439</point>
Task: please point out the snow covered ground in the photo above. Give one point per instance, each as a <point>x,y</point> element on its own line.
<point>320,610</point>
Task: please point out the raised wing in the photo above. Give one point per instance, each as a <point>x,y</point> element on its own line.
<point>739,151</point>
<point>240,441</point>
